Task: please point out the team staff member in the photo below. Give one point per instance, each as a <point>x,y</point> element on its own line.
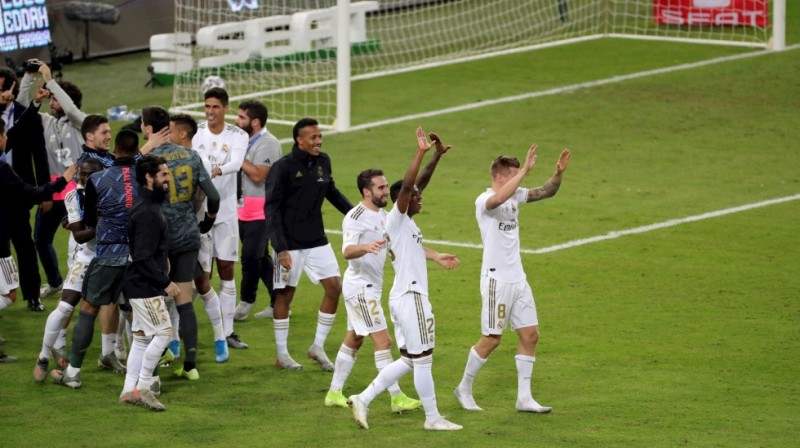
<point>63,143</point>
<point>262,151</point>
<point>297,185</point>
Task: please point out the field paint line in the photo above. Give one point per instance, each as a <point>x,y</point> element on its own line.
<point>661,225</point>
<point>556,90</point>
<point>618,233</point>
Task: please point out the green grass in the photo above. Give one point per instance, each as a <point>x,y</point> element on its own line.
<point>684,336</point>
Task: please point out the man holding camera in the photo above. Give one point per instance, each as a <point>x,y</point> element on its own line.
<point>63,144</point>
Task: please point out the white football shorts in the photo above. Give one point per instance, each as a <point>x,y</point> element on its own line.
<point>365,312</point>
<point>150,315</point>
<point>504,303</point>
<point>414,324</point>
<point>318,263</point>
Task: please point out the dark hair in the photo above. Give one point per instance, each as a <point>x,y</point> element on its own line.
<point>394,190</point>
<point>256,110</point>
<point>91,123</point>
<point>301,124</point>
<point>503,163</point>
<point>127,142</point>
<point>148,164</point>
<point>94,163</point>
<point>155,116</point>
<point>185,121</point>
<point>73,92</point>
<point>9,77</point>
<point>218,93</point>
<point>364,179</point>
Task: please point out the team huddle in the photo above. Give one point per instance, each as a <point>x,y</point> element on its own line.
<point>148,223</point>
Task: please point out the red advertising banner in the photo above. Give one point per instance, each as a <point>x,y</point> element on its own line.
<point>711,12</point>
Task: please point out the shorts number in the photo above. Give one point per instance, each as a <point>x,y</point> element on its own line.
<point>501,311</point>
<point>373,307</point>
<point>430,324</point>
<point>77,266</point>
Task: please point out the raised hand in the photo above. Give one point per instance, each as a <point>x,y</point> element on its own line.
<point>422,142</point>
<point>7,96</point>
<point>530,158</point>
<point>563,161</point>
<point>41,92</point>
<point>440,147</point>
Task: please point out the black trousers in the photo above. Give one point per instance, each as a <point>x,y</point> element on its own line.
<point>15,227</point>
<point>44,230</point>
<point>256,261</point>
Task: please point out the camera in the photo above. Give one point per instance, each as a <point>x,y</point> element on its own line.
<point>31,66</point>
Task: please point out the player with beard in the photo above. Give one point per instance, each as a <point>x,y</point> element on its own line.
<point>63,143</point>
<point>147,281</point>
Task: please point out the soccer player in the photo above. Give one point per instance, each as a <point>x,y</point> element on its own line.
<point>364,247</point>
<point>186,175</point>
<point>505,292</point>
<point>409,306</point>
<point>147,281</point>
<point>224,146</point>
<point>81,253</point>
<point>109,198</point>
<point>263,150</point>
<point>297,185</point>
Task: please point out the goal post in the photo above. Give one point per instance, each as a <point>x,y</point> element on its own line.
<point>301,57</point>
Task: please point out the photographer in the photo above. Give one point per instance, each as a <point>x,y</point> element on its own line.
<point>63,143</point>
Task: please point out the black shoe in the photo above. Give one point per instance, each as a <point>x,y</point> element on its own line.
<point>234,342</point>
<point>35,305</point>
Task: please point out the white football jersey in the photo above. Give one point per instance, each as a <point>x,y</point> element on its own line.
<point>225,150</point>
<point>362,225</point>
<point>500,235</point>
<point>75,214</point>
<point>407,255</point>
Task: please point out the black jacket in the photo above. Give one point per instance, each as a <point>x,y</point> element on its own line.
<point>296,186</point>
<point>17,195</point>
<point>27,146</point>
<point>148,236</point>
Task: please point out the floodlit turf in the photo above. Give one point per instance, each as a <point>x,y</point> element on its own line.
<point>683,336</point>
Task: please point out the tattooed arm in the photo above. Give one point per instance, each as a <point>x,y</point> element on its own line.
<point>550,188</point>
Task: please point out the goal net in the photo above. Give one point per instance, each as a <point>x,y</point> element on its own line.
<point>283,52</point>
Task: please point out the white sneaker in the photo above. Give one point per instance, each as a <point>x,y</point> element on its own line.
<point>242,311</point>
<point>286,362</point>
<point>267,313</point>
<point>317,353</point>
<point>46,290</point>
<point>442,425</point>
<point>360,411</point>
<point>533,406</point>
<point>466,400</point>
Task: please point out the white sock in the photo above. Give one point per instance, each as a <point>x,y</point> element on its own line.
<point>109,340</point>
<point>61,340</point>
<point>134,364</point>
<point>382,359</point>
<point>324,325</point>
<point>387,376</point>
<point>72,371</point>
<point>423,381</point>
<point>122,329</point>
<point>227,301</point>
<point>174,317</point>
<point>474,364</point>
<point>345,360</point>
<point>524,373</point>
<point>150,359</point>
<point>212,306</point>
<point>281,335</point>
<point>53,327</point>
<point>5,302</point>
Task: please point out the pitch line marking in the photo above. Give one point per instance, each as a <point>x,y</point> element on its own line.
<point>619,233</point>
<point>556,90</point>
